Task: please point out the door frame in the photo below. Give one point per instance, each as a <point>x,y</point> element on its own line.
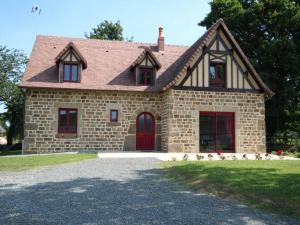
<point>151,134</point>
<point>210,113</point>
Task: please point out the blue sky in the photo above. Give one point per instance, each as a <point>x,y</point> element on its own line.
<point>139,18</point>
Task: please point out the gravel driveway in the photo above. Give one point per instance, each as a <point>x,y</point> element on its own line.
<point>114,191</point>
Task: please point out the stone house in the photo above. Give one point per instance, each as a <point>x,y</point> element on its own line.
<point>124,96</point>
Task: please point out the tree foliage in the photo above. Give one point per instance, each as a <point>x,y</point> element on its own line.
<point>12,64</point>
<point>107,30</point>
<point>269,33</point>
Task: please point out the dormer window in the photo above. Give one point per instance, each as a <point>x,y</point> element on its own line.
<point>146,76</point>
<point>70,72</point>
<point>145,68</point>
<point>70,64</point>
<point>217,75</point>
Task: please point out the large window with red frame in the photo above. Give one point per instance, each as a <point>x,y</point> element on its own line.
<point>67,121</point>
<point>217,132</point>
<point>217,75</point>
<point>70,72</point>
<point>146,76</point>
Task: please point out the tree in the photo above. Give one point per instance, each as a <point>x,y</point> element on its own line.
<point>107,30</point>
<point>269,33</point>
<point>12,64</point>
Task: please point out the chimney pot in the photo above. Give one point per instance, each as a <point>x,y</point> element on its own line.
<point>161,39</point>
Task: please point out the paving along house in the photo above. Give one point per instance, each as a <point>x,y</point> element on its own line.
<point>121,96</point>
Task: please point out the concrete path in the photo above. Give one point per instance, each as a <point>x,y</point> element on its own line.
<point>115,191</point>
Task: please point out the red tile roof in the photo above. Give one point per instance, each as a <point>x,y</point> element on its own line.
<point>110,62</point>
<point>108,68</point>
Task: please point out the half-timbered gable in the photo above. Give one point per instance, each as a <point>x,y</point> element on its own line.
<point>219,68</point>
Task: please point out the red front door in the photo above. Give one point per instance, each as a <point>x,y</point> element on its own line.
<point>145,132</point>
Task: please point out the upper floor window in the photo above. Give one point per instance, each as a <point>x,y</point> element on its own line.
<point>70,72</point>
<point>67,121</point>
<point>146,76</point>
<point>217,75</point>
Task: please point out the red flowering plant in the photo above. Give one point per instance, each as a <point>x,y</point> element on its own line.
<point>218,152</point>
<point>280,153</point>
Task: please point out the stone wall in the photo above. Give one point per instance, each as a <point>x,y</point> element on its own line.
<point>176,115</point>
<point>183,112</point>
<point>95,131</point>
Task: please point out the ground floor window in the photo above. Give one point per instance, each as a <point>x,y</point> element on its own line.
<point>217,132</point>
<point>67,120</point>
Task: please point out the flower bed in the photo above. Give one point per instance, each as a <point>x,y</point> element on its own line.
<point>279,155</point>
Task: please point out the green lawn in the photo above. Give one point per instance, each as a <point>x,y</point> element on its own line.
<point>273,185</point>
<point>30,162</point>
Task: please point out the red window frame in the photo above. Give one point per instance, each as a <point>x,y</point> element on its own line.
<point>70,72</point>
<point>117,116</point>
<point>215,115</point>
<point>217,83</point>
<point>149,71</point>
<point>67,130</point>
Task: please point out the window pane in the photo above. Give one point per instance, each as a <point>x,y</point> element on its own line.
<point>217,75</point>
<point>72,121</point>
<point>141,122</point>
<point>148,123</point>
<point>114,115</point>
<point>212,72</point>
<point>225,132</point>
<point>74,72</point>
<point>62,126</point>
<point>207,133</point>
<point>148,77</point>
<point>145,76</point>
<point>67,72</point>
<point>220,72</point>
<point>142,76</point>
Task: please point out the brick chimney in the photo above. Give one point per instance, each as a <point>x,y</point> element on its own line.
<point>161,39</point>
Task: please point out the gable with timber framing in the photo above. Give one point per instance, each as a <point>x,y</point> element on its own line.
<point>218,50</point>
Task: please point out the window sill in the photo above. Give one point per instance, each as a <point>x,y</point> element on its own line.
<point>66,135</point>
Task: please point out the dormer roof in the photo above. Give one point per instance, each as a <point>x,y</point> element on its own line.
<point>71,47</point>
<point>146,53</point>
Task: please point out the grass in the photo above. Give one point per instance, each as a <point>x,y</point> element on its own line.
<point>272,185</point>
<point>30,162</point>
